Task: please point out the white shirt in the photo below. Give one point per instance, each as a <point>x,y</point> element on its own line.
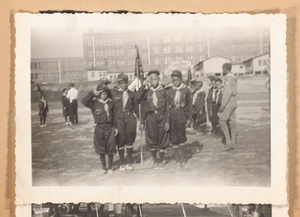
<point>72,94</point>
<point>135,85</point>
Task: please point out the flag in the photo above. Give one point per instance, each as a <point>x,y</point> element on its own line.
<point>189,77</point>
<point>139,67</point>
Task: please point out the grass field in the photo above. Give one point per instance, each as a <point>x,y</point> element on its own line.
<point>64,155</point>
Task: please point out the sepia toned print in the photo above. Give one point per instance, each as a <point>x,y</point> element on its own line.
<point>132,103</point>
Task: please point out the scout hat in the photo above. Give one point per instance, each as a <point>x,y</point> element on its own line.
<point>154,71</point>
<point>122,77</point>
<point>176,73</point>
<point>102,87</point>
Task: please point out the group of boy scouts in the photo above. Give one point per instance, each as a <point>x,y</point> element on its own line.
<point>167,113</point>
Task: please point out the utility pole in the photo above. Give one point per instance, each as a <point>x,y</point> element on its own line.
<point>94,58</point>
<point>207,44</point>
<point>149,60</point>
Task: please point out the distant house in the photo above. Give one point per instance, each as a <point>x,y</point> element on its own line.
<point>96,73</point>
<point>210,66</point>
<point>238,68</point>
<point>257,65</point>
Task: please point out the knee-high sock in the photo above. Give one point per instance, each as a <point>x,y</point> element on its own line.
<point>129,154</point>
<point>182,154</point>
<point>161,156</point>
<point>121,154</point>
<point>103,162</point>
<point>224,127</point>
<point>176,154</point>
<point>66,118</point>
<point>110,161</point>
<point>153,153</point>
<point>232,126</point>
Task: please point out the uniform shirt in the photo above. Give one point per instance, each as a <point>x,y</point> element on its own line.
<point>185,102</point>
<point>199,101</point>
<point>72,94</point>
<point>135,85</point>
<point>101,116</point>
<point>117,98</point>
<point>145,96</point>
<point>43,106</point>
<point>229,91</point>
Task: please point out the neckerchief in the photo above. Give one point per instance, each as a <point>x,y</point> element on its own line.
<point>154,96</point>
<point>45,103</point>
<point>178,94</point>
<point>106,107</point>
<point>195,96</point>
<point>124,97</point>
<point>214,94</point>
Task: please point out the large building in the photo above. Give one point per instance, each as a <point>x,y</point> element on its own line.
<point>58,70</point>
<point>165,49</point>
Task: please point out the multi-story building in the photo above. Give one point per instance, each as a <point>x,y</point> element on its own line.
<point>58,70</point>
<point>165,49</point>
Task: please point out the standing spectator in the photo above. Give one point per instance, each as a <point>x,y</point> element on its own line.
<point>105,131</point>
<point>198,102</point>
<point>114,210</point>
<point>126,111</point>
<point>216,103</point>
<point>209,98</point>
<point>43,110</point>
<point>73,106</point>
<point>180,101</point>
<point>156,118</point>
<point>65,104</point>
<point>228,106</point>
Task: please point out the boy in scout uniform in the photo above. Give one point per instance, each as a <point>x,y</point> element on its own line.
<point>105,131</point>
<point>228,106</point>
<point>180,115</point>
<point>198,102</point>
<point>157,117</point>
<point>126,121</point>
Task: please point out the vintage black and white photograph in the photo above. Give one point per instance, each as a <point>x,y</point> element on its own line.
<point>163,100</point>
<point>150,210</point>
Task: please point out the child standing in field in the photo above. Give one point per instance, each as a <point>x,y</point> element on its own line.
<point>65,104</point>
<point>198,102</point>
<point>126,111</point>
<point>216,103</point>
<point>43,110</point>
<point>105,131</point>
<point>179,98</point>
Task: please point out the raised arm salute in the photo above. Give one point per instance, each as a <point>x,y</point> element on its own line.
<point>157,117</point>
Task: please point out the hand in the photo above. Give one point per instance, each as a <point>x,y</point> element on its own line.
<point>116,132</point>
<point>141,127</point>
<point>208,124</point>
<point>188,122</point>
<point>167,127</point>
<point>96,93</point>
<point>221,109</point>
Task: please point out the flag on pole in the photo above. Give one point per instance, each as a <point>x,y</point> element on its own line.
<point>140,77</point>
<point>139,68</point>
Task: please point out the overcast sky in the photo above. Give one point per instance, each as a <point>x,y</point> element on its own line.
<point>60,35</point>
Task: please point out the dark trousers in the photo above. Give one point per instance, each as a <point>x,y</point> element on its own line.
<point>43,115</point>
<point>73,107</point>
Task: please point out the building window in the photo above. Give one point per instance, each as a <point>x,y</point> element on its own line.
<point>89,42</point>
<point>259,62</point>
<point>91,63</point>
<point>199,48</point>
<point>96,42</point>
<point>90,53</point>
<point>117,52</point>
<point>156,50</point>
<point>189,38</point>
<point>167,39</point>
<point>241,67</point>
<point>101,53</point>
<point>97,53</point>
<point>156,39</point>
<point>178,38</point>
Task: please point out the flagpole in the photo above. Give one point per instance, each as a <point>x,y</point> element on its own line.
<point>140,108</point>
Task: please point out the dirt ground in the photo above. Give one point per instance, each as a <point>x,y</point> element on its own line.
<point>64,155</point>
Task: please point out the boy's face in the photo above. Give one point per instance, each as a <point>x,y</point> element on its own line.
<point>154,79</point>
<point>219,85</point>
<point>123,85</point>
<point>213,84</point>
<point>176,81</point>
<point>103,95</point>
